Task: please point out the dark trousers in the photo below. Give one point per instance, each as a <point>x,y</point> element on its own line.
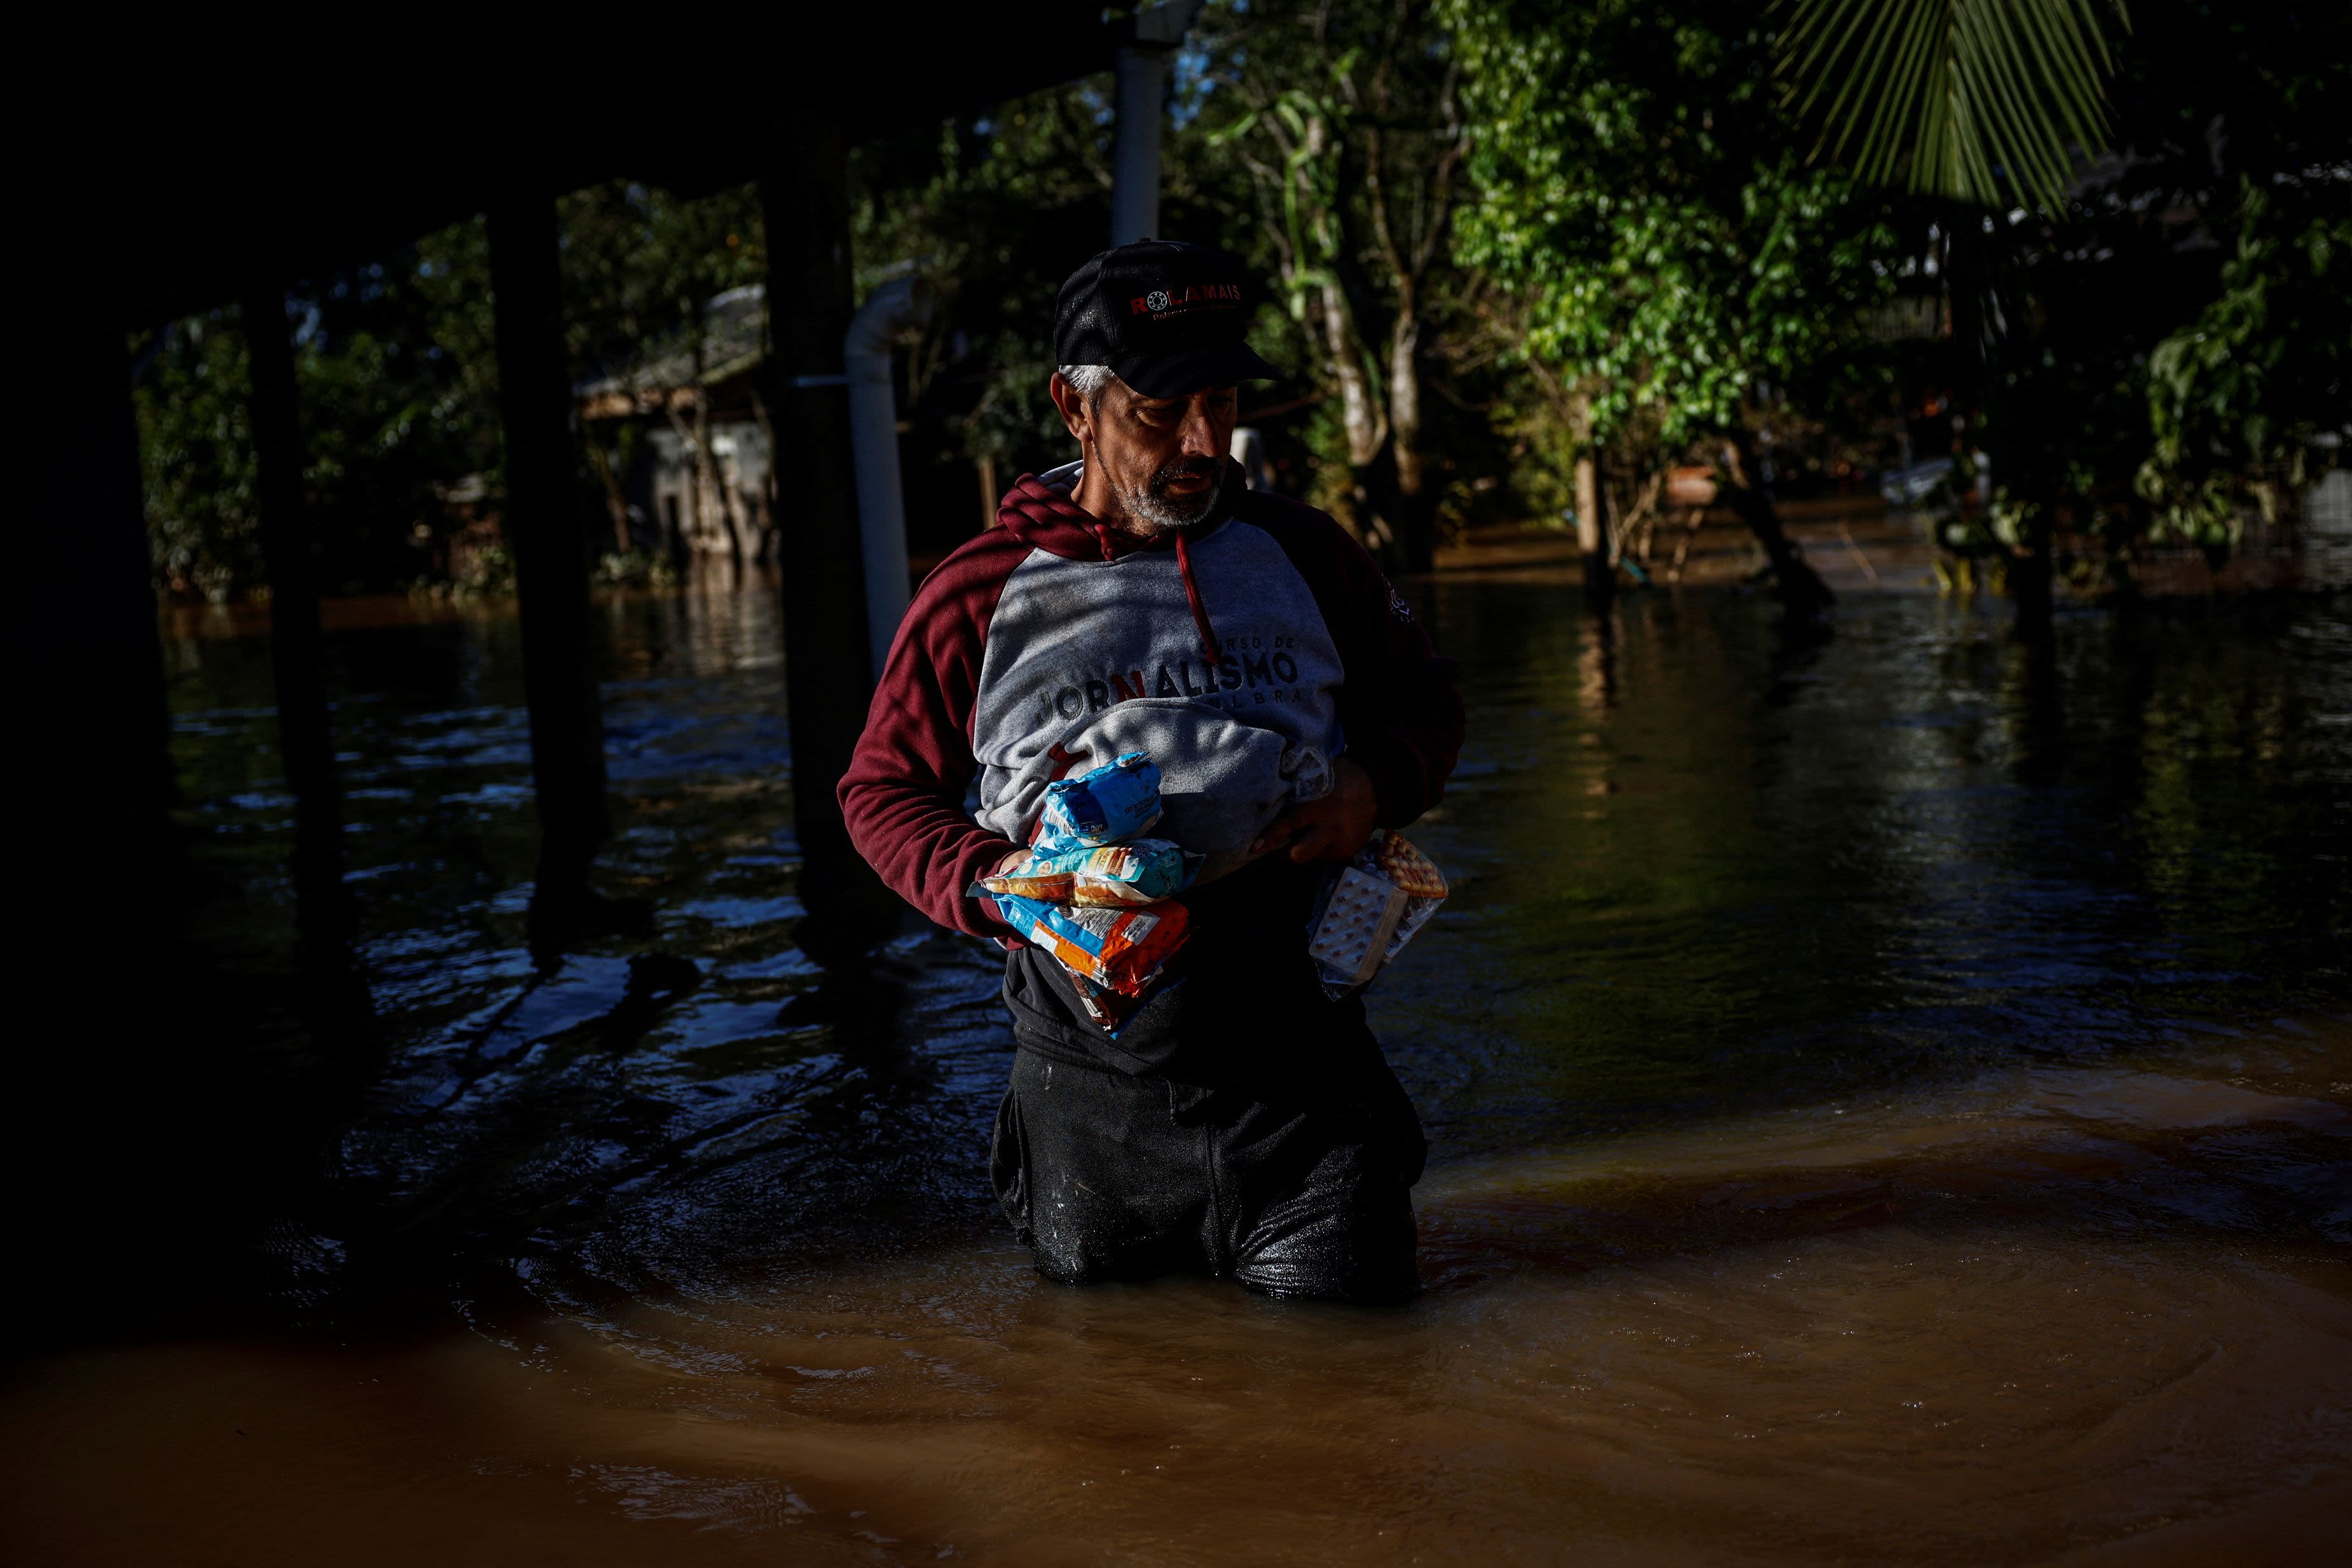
<point>1109,1176</point>
<point>1241,1124</point>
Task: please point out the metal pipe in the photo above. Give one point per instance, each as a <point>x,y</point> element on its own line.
<point>1135,145</point>
<point>1249,451</point>
<point>1140,102</point>
<point>874,449</point>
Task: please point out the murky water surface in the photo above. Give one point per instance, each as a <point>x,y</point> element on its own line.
<point>1892,1097</point>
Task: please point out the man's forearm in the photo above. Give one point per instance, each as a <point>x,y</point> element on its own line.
<point>925,850</point>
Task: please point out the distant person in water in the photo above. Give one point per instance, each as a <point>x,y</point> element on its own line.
<point>1240,1123</point>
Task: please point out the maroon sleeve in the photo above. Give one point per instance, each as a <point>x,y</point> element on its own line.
<point>904,793</point>
<point>1399,707</point>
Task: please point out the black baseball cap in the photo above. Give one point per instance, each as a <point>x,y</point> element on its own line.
<point>1167,317</point>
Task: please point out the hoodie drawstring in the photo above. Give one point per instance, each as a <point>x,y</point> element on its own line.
<point>1036,506</point>
<point>1192,597</point>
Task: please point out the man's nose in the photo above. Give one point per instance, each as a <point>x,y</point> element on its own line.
<point>1200,432</point>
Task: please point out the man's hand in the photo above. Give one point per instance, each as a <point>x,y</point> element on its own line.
<point>1332,828</point>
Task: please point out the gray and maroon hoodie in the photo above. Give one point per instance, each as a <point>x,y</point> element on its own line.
<point>1245,653</point>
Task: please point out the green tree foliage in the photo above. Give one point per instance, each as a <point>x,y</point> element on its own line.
<point>1503,235</point>
<point>192,390</point>
<point>1642,196</point>
<point>1317,141</point>
<point>2151,341</point>
<point>994,210</point>
<point>641,264</point>
<point>2158,348</point>
<point>2237,398</point>
<point>1346,117</point>
<point>394,370</point>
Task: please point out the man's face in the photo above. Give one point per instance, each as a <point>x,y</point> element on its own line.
<point>1162,458</point>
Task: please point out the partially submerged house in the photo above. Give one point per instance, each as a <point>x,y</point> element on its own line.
<point>682,440</point>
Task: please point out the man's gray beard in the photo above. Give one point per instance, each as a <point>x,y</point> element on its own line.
<point>1164,514</point>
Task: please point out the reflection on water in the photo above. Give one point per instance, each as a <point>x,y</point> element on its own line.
<point>1890,1097</point>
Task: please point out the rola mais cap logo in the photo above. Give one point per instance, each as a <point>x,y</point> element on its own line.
<point>1191,296</point>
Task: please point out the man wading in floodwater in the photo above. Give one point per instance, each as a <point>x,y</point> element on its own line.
<point>1241,1122</point>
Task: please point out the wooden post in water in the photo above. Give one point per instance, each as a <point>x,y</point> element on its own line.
<point>305,739</point>
<point>805,201</point>
<point>92,748</point>
<point>96,873</point>
<point>548,535</point>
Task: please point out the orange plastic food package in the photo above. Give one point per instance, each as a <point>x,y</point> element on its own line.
<point>1120,950</point>
<point>1142,872</point>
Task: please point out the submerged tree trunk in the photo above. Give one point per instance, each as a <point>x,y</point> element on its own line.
<point>1359,206</point>
<point>1973,278</point>
<point>1795,583</point>
<point>1416,499</point>
<point>1361,418</point>
<point>617,498</point>
<point>1593,532</point>
<point>2032,572</point>
<point>710,525</point>
<point>709,493</point>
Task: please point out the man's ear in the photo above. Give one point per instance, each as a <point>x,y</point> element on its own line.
<point>1076,414</point>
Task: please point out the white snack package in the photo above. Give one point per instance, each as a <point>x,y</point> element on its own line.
<point>1371,910</point>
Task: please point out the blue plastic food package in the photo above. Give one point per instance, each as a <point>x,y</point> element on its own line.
<point>1119,800</point>
<point>1142,872</point>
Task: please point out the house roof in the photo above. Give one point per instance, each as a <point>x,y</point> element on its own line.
<point>732,344</point>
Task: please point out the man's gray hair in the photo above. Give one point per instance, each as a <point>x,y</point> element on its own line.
<point>1087,380</point>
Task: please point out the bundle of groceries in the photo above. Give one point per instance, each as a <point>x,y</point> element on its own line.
<point>1099,895</point>
<point>1094,892</point>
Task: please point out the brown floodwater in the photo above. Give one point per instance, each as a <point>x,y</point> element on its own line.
<point>1891,1094</point>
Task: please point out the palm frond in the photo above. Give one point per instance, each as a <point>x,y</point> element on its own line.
<point>1986,100</point>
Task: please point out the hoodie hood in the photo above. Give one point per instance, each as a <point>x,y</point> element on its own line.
<point>1038,512</point>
